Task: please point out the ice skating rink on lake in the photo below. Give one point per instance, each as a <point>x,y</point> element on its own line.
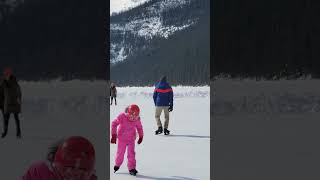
<point>183,155</point>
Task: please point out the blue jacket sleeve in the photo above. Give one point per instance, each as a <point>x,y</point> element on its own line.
<point>171,98</point>
<point>155,94</point>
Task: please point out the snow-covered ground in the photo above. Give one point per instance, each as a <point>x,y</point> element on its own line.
<point>266,129</point>
<point>51,111</point>
<point>149,28</point>
<point>185,154</point>
<point>249,96</point>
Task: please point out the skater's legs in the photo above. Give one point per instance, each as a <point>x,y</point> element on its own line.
<point>111,99</point>
<point>18,129</point>
<point>157,116</point>
<point>2,111</point>
<point>3,117</point>
<point>166,117</point>
<point>115,100</point>
<point>5,123</point>
<point>131,155</point>
<point>120,152</point>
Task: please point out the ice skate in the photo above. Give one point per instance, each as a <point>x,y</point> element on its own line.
<point>159,131</point>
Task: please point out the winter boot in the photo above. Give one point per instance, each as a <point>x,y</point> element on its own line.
<point>159,131</point>
<point>5,129</point>
<point>133,172</point>
<point>19,134</point>
<point>166,132</point>
<point>3,135</point>
<point>115,168</point>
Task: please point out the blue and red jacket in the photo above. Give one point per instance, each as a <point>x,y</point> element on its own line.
<point>163,94</point>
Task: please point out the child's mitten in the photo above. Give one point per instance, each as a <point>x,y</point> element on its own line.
<point>114,139</point>
<point>140,140</point>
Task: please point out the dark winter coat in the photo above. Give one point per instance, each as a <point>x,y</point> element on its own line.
<point>12,96</point>
<point>1,94</point>
<point>163,94</point>
<point>113,91</point>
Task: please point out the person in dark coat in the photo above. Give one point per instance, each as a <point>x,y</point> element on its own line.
<point>113,93</point>
<point>11,102</point>
<point>2,98</point>
<point>163,100</point>
<point>1,95</point>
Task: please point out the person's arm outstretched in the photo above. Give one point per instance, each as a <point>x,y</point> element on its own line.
<point>140,131</point>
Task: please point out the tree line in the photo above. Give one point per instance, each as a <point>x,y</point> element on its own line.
<point>56,39</point>
<point>266,39</point>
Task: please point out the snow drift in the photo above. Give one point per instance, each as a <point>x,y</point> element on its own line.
<point>249,96</point>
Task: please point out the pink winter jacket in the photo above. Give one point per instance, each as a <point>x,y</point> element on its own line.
<point>127,128</point>
<point>42,171</point>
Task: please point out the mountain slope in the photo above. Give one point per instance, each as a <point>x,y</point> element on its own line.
<point>169,37</point>
<point>117,6</point>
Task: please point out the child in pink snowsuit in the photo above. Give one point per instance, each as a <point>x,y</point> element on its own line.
<point>129,123</point>
<point>65,161</point>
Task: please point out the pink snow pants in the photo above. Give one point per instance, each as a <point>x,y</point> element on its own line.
<point>131,154</point>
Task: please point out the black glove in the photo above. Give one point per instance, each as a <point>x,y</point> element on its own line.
<point>140,140</point>
<point>170,108</point>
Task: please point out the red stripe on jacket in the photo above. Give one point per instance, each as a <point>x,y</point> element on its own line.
<point>163,90</point>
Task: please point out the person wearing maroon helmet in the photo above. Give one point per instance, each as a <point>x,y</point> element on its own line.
<point>11,101</point>
<point>70,159</point>
<point>129,123</point>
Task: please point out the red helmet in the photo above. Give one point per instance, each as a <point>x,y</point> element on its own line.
<point>75,159</point>
<point>7,71</point>
<point>134,110</point>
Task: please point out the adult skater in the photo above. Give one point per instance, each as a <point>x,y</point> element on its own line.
<point>113,93</point>
<point>163,101</point>
<point>11,102</point>
<point>70,159</point>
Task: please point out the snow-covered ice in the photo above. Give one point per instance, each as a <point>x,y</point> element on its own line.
<point>266,129</point>
<point>53,110</point>
<point>50,111</point>
<point>185,154</point>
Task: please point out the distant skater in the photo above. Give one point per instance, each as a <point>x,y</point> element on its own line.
<point>113,93</point>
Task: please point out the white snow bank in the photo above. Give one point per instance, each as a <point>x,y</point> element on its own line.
<point>284,96</point>
<point>179,91</point>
